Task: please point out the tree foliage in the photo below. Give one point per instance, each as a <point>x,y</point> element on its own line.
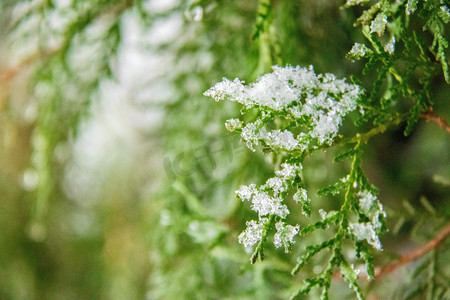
<point>121,182</point>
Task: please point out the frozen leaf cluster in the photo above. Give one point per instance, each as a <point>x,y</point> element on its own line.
<point>253,232</point>
<point>267,200</point>
<point>301,197</point>
<point>365,231</point>
<point>379,24</point>
<point>317,103</point>
<point>445,13</point>
<point>359,51</point>
<point>366,201</point>
<point>284,236</point>
<point>411,6</point>
<point>233,124</point>
<point>288,171</point>
<point>373,210</point>
<point>390,47</point>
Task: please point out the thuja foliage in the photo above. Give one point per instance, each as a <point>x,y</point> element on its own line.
<point>119,180</point>
<point>292,112</point>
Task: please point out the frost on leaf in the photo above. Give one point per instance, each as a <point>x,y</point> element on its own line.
<point>280,139</point>
<point>226,88</point>
<point>411,6</point>
<point>365,231</point>
<point>358,51</point>
<point>379,24</point>
<point>371,208</point>
<point>233,124</point>
<point>276,184</point>
<point>284,236</point>
<point>253,233</point>
<point>268,198</point>
<point>245,193</point>
<point>366,201</point>
<point>288,171</point>
<point>265,204</point>
<point>445,13</point>
<point>301,197</point>
<point>326,215</point>
<point>390,47</point>
<point>317,102</point>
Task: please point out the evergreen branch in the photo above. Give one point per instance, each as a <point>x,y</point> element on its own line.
<point>430,116</point>
<point>258,253</point>
<point>362,138</point>
<point>310,252</point>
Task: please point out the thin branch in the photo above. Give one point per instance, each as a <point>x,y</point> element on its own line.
<point>407,258</point>
<point>430,116</point>
<point>415,254</point>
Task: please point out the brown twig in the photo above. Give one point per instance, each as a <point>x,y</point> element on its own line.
<point>409,257</point>
<point>430,116</point>
<point>414,255</point>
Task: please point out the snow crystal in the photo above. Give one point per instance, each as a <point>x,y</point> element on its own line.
<point>226,88</point>
<point>379,24</point>
<point>377,216</point>
<point>323,214</point>
<point>285,234</point>
<point>359,51</point>
<point>249,135</point>
<point>288,171</point>
<point>326,127</point>
<point>253,233</point>
<point>245,193</point>
<point>301,196</point>
<point>446,11</point>
<point>276,184</point>
<point>366,201</point>
<point>264,204</point>
<point>198,13</point>
<point>371,207</point>
<point>281,139</point>
<point>345,179</point>
<point>390,47</point>
<point>366,232</point>
<point>411,6</point>
<point>320,100</point>
<point>233,124</point>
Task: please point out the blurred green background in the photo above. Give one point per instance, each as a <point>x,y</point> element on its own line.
<point>118,176</point>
